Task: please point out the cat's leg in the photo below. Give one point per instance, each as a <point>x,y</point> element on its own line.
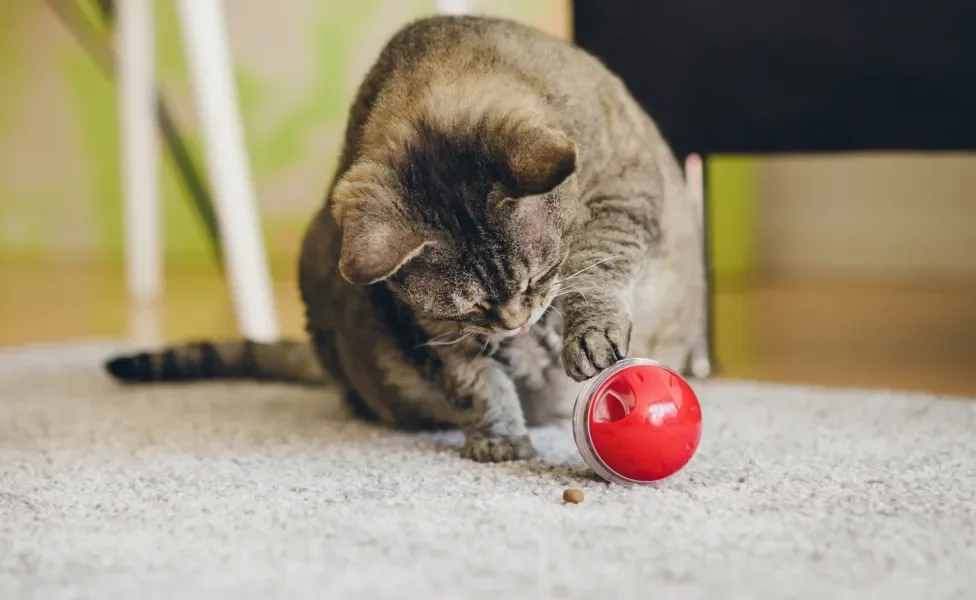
<point>532,361</point>
<point>552,402</point>
<point>486,406</point>
<point>545,391</point>
<point>700,361</point>
<point>688,357</point>
<point>451,386</point>
<point>672,354</point>
<point>606,259</point>
<point>669,317</point>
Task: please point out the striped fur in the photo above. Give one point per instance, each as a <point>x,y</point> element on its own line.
<point>286,361</point>
<point>505,222</point>
<point>492,176</point>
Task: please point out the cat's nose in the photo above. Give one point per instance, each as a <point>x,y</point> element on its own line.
<point>514,318</point>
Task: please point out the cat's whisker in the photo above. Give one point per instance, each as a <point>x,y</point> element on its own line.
<point>433,342</point>
<point>587,268</point>
<point>562,281</point>
<point>576,291</point>
<point>566,292</point>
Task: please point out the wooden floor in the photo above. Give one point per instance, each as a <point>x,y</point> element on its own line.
<point>828,331</point>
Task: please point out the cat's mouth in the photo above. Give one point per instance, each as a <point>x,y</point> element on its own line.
<point>507,333</point>
<point>522,329</point>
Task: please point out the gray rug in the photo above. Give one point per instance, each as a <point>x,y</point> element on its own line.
<point>262,491</point>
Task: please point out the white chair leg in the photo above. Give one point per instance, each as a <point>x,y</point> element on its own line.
<point>139,150</point>
<point>701,363</point>
<point>695,182</point>
<point>208,58</point>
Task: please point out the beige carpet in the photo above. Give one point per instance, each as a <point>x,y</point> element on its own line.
<point>248,491</point>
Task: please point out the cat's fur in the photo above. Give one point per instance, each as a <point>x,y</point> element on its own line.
<point>490,172</point>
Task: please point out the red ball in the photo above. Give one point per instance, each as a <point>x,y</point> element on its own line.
<point>637,422</point>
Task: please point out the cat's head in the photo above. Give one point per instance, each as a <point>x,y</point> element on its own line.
<point>467,226</point>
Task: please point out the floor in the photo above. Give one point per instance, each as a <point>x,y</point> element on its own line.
<point>239,491</point>
<point>826,331</point>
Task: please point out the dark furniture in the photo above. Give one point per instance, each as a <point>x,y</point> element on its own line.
<point>773,76</point>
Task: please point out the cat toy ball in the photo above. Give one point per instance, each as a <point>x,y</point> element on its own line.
<point>637,422</point>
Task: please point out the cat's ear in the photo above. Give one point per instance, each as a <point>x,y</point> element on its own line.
<point>540,160</point>
<point>376,239</point>
<point>373,251</point>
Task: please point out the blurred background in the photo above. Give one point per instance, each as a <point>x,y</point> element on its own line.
<point>834,269</point>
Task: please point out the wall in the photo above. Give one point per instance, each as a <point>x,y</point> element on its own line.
<point>904,215</point>
<point>297,64</point>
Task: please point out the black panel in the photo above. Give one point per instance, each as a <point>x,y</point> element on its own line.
<point>760,76</point>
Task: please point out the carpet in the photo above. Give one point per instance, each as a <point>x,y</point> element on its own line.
<point>247,491</point>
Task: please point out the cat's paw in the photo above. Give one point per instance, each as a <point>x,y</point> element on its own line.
<point>497,449</point>
<point>593,345</point>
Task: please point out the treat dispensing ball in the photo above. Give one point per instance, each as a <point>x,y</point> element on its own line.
<point>637,422</point>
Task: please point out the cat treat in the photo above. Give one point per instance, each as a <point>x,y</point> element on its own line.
<point>572,496</point>
<point>637,422</point>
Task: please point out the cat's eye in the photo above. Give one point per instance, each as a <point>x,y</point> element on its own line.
<point>546,276</point>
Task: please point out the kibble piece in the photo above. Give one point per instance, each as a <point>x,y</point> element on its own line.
<point>573,496</point>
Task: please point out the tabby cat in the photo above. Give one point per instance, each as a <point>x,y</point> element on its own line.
<point>505,222</point>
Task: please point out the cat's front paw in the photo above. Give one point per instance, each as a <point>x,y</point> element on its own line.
<point>497,449</point>
<point>592,345</point>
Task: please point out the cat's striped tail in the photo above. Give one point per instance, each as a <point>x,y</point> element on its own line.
<point>287,361</point>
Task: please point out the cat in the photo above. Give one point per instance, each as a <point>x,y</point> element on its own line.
<point>505,222</point>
